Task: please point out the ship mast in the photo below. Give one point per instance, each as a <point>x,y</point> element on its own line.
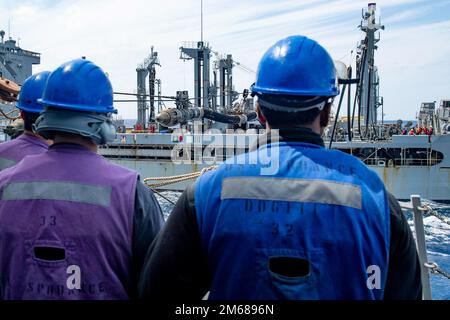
<point>367,72</point>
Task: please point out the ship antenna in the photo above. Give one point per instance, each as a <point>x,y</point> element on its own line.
<point>201,20</point>
<point>9,28</point>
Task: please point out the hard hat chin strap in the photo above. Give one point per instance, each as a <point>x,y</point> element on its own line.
<point>97,127</point>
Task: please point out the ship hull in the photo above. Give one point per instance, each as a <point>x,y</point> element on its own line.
<point>428,182</point>
<point>150,155</point>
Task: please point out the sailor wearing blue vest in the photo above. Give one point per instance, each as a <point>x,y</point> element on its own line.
<point>74,226</point>
<point>321,226</point>
<point>11,152</point>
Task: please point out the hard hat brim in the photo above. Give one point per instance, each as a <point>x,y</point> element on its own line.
<point>74,107</point>
<point>29,110</point>
<point>283,91</point>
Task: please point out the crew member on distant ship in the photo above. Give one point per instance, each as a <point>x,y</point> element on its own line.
<point>73,225</point>
<point>321,225</point>
<point>29,142</point>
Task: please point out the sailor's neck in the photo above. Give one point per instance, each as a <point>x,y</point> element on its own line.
<point>76,140</point>
<point>308,134</point>
<point>35,135</point>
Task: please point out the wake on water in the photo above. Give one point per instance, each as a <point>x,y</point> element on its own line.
<point>437,234</point>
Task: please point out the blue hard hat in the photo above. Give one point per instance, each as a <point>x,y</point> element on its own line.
<point>79,85</point>
<point>31,91</point>
<point>296,66</point>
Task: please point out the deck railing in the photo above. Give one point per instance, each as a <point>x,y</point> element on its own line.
<point>426,266</point>
<point>397,162</point>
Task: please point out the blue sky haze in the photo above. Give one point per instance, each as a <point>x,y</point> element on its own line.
<point>412,57</point>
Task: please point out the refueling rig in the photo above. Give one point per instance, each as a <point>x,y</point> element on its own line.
<point>214,102</point>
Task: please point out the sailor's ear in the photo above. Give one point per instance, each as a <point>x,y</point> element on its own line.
<point>261,117</point>
<point>325,115</point>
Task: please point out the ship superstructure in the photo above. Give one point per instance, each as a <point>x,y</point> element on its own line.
<point>408,164</point>
<point>16,65</point>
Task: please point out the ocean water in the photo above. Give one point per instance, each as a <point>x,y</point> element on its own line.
<point>437,236</point>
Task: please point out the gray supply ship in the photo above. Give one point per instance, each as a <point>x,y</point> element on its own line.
<point>15,67</point>
<point>408,164</point>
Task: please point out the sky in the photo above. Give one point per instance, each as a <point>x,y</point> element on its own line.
<point>412,57</point>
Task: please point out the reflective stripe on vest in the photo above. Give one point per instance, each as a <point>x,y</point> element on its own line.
<point>13,151</point>
<point>6,163</point>
<point>297,190</point>
<point>55,190</point>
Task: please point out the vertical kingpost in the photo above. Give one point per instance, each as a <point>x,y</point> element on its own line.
<point>141,74</point>
<point>225,66</point>
<point>201,54</point>
<point>147,68</point>
<point>206,52</point>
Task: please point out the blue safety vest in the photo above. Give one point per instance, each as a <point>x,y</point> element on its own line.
<point>323,210</point>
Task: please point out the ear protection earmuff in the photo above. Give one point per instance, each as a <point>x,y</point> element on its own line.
<point>107,132</point>
<point>35,125</point>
